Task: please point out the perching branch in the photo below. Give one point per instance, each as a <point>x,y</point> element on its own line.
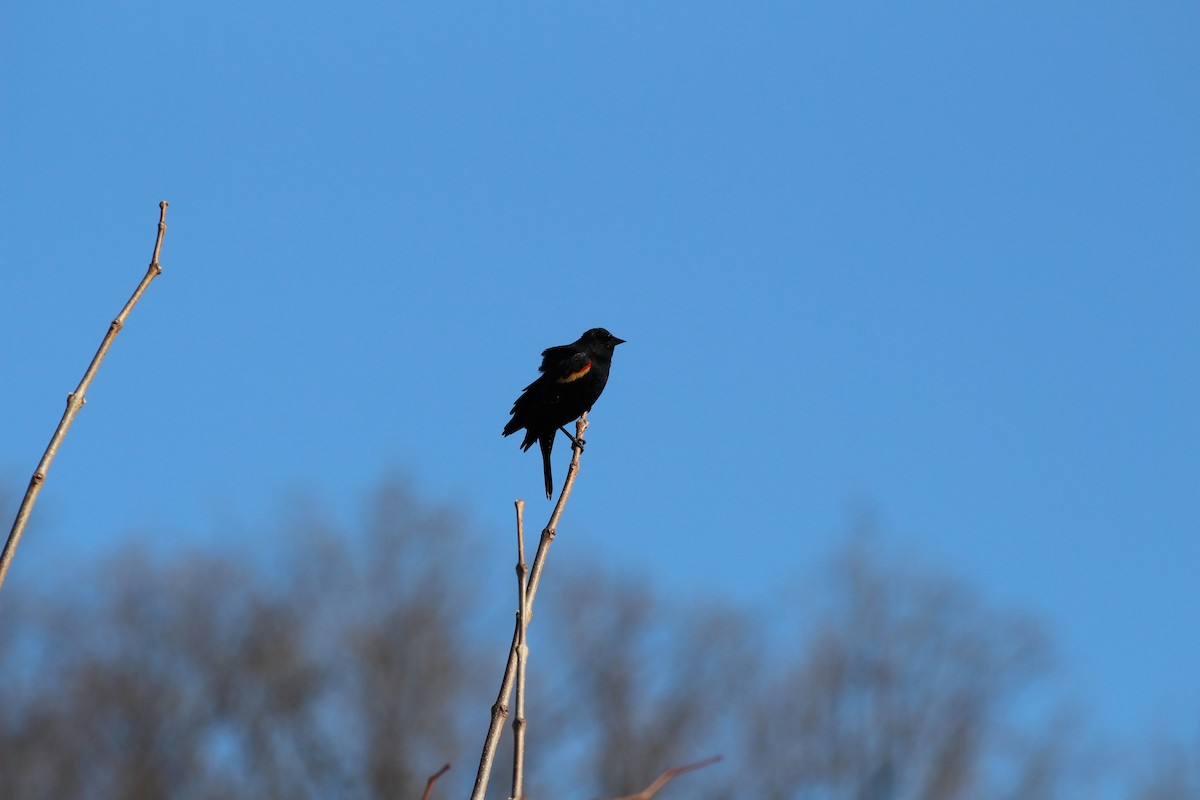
<point>652,789</point>
<point>500,709</point>
<point>548,532</point>
<point>75,401</point>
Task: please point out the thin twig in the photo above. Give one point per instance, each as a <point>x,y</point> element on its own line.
<point>432,780</point>
<point>75,401</point>
<point>652,789</point>
<point>500,709</point>
<point>518,786</point>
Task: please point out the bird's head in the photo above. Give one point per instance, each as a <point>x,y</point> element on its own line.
<point>600,340</point>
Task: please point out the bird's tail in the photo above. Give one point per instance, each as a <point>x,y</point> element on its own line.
<point>547,443</point>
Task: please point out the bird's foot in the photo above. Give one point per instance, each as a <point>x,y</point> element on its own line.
<point>575,441</point>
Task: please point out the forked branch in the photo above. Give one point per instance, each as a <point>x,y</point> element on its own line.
<point>500,708</point>
<point>75,401</point>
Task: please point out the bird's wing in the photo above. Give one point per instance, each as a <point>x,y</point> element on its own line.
<point>552,357</point>
<point>566,365</point>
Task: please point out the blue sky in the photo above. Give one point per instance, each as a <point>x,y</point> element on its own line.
<point>940,262</point>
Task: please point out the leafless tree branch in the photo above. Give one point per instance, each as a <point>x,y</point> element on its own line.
<point>500,709</point>
<point>75,401</point>
<point>433,779</point>
<point>652,789</point>
<point>518,786</point>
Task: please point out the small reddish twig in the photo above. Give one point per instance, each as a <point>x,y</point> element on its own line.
<point>432,780</point>
<point>652,789</point>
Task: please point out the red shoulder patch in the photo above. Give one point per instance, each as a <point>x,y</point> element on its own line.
<point>577,374</point>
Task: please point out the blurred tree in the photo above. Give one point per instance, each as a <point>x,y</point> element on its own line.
<point>639,685</point>
<point>336,670</point>
<point>1172,773</point>
<point>905,691</point>
<point>342,665</point>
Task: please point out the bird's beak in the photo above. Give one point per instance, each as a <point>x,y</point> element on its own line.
<point>617,341</point>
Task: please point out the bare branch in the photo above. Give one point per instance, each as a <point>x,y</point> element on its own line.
<point>652,789</point>
<point>518,785</point>
<point>75,401</point>
<point>433,779</point>
<point>500,708</point>
<point>551,528</point>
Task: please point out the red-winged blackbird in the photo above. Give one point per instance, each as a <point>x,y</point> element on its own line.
<point>573,376</point>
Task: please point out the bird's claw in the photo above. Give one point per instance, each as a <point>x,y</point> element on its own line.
<point>575,440</point>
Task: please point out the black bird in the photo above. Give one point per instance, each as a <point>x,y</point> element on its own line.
<point>573,376</point>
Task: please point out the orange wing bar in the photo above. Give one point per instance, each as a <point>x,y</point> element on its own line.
<point>577,374</point>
